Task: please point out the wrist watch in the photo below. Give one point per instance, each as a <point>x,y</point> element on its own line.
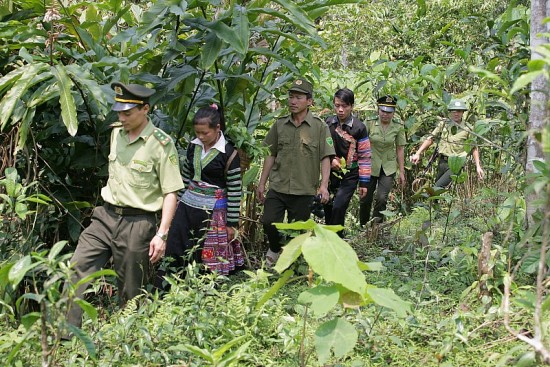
<point>162,236</point>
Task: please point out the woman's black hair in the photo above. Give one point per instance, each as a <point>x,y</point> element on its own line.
<point>214,113</point>
<point>346,95</point>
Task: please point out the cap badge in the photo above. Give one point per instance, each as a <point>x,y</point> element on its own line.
<point>457,103</point>
<point>118,90</point>
<point>389,99</point>
<point>298,82</point>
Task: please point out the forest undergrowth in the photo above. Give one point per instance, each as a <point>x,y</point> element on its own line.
<point>427,258</point>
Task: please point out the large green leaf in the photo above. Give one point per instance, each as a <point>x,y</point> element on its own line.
<point>297,226</point>
<point>66,99</point>
<point>230,36</point>
<point>210,51</point>
<point>456,163</point>
<point>19,88</point>
<point>97,274</point>
<point>85,339</point>
<point>10,78</point>
<point>19,270</point>
<point>387,298</point>
<point>25,127</point>
<point>337,335</point>
<point>322,298</point>
<point>56,249</point>
<point>526,79</point>
<point>334,259</point>
<point>240,24</point>
<point>90,88</point>
<point>291,252</point>
<point>274,288</point>
<point>87,307</point>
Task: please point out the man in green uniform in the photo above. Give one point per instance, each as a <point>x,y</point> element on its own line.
<point>144,178</point>
<point>387,141</point>
<point>452,134</point>
<point>300,147</point>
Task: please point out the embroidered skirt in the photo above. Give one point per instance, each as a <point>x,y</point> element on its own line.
<point>218,254</point>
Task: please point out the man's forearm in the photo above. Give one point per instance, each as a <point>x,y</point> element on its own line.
<point>168,211</point>
<point>268,164</point>
<point>325,171</point>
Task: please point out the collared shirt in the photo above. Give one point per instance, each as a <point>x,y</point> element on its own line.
<point>298,152</point>
<point>384,143</point>
<point>141,172</point>
<point>453,138</point>
<point>219,145</point>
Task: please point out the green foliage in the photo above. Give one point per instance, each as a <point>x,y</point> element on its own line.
<point>45,274</point>
<point>337,264</point>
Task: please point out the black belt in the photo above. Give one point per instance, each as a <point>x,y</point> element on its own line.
<point>124,210</point>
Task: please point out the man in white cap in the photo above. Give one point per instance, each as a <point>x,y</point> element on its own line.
<point>452,134</point>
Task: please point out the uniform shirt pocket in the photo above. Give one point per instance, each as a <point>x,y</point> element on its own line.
<point>141,174</point>
<point>112,166</point>
<point>309,147</point>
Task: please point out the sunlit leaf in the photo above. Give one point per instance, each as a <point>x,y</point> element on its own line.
<point>322,298</point>
<point>291,251</point>
<point>334,259</point>
<point>23,81</point>
<point>337,336</point>
<point>56,249</point>
<point>66,99</point>
<point>524,80</point>
<point>87,307</point>
<point>19,270</point>
<point>387,298</point>
<point>29,319</point>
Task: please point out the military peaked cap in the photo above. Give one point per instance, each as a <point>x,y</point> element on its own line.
<point>130,96</point>
<point>387,103</point>
<point>301,86</point>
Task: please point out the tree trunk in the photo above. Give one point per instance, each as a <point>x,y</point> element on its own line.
<point>540,110</point>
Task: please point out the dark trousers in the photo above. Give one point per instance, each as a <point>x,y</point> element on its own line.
<point>126,239</point>
<point>444,173</point>
<point>382,185</point>
<point>188,229</point>
<point>296,207</point>
<point>342,188</point>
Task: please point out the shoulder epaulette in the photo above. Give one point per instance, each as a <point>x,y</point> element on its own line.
<point>317,118</point>
<point>161,136</point>
<point>116,124</point>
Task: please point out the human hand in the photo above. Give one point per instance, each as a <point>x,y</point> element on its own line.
<point>480,173</point>
<point>230,234</point>
<point>323,191</point>
<point>362,192</point>
<point>402,179</point>
<point>335,164</point>
<point>260,193</point>
<point>157,248</point>
<point>415,158</point>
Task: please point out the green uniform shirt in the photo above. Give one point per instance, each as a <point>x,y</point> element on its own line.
<point>452,144</point>
<point>142,171</point>
<point>298,152</point>
<point>383,144</point>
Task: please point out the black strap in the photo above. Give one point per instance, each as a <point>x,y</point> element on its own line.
<point>229,161</point>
